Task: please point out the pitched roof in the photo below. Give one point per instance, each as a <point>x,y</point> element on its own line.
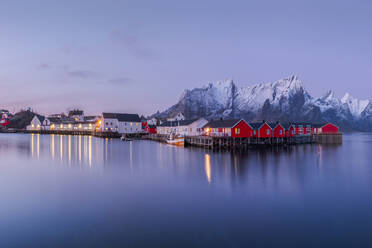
<point>318,125</point>
<point>177,123</point>
<point>273,124</point>
<point>54,120</point>
<point>256,125</point>
<point>122,117</point>
<point>40,117</point>
<point>222,123</point>
<point>286,125</point>
<point>301,123</point>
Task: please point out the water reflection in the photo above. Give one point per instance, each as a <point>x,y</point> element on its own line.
<point>208,170</point>
<point>271,168</point>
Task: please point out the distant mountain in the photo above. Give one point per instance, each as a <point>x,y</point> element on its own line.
<point>283,100</point>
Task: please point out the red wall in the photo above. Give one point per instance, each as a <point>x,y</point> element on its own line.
<point>263,131</point>
<point>329,128</point>
<point>245,130</point>
<point>276,132</point>
<point>288,133</point>
<point>150,130</point>
<point>297,131</point>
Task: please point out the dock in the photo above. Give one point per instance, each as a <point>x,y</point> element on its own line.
<point>229,143</point>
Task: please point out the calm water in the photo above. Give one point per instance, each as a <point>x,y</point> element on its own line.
<point>74,191</point>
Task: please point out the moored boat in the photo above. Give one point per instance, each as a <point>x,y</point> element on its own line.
<point>172,139</point>
<point>125,138</point>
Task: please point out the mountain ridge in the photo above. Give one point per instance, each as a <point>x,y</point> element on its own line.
<point>283,100</point>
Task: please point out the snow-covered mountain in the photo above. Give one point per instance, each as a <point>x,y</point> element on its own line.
<point>283,100</point>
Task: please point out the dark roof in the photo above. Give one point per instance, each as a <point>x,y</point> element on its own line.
<point>177,123</point>
<point>318,125</point>
<point>40,117</point>
<point>151,126</point>
<point>256,125</point>
<point>302,123</point>
<point>75,112</point>
<point>273,124</point>
<point>222,123</point>
<point>286,125</point>
<point>54,120</point>
<point>122,117</point>
<point>90,118</point>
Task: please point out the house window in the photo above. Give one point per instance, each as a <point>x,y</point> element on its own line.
<point>267,131</point>
<point>281,132</point>
<point>254,132</point>
<point>237,130</point>
<point>106,123</point>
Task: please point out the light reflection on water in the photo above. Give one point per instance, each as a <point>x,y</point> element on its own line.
<point>109,193</point>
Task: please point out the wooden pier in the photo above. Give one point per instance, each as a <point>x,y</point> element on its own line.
<point>328,138</point>
<point>229,143</point>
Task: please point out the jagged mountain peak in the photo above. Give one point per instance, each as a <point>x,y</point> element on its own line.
<point>328,96</point>
<point>284,100</point>
<point>347,97</point>
<point>227,83</point>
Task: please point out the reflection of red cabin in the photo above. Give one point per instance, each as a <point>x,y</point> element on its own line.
<point>277,130</point>
<point>327,128</point>
<point>261,130</point>
<point>230,128</point>
<point>150,129</point>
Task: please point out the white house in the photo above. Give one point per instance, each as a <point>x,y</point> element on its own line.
<point>36,123</point>
<point>192,127</point>
<point>121,123</point>
<point>177,117</point>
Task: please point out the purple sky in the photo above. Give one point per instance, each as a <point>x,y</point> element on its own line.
<point>138,56</point>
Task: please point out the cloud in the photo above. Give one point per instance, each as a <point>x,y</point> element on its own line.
<point>120,80</point>
<point>131,41</point>
<point>83,74</point>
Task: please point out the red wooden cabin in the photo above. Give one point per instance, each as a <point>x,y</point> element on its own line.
<point>278,130</point>
<point>289,130</point>
<point>229,128</point>
<point>302,128</point>
<point>261,130</point>
<point>328,128</point>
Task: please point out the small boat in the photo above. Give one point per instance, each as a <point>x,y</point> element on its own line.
<point>173,139</point>
<point>125,138</point>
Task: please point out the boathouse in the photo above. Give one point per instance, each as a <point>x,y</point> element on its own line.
<point>278,130</point>
<point>289,129</point>
<point>326,128</point>
<point>36,122</point>
<point>261,129</point>
<point>120,123</point>
<point>193,127</point>
<point>228,128</point>
<point>302,128</point>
